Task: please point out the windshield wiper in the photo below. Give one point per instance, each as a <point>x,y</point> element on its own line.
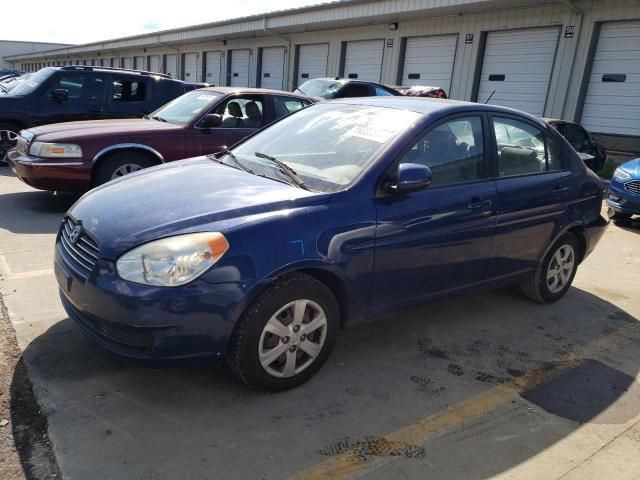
<point>229,153</point>
<point>160,119</point>
<point>284,168</point>
<point>4,89</point>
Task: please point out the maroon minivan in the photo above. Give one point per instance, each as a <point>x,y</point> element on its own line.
<point>77,156</point>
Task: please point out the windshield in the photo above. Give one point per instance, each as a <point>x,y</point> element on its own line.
<point>186,108</point>
<point>34,81</point>
<point>327,145</point>
<point>320,88</point>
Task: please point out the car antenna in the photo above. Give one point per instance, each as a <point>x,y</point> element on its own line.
<point>487,101</point>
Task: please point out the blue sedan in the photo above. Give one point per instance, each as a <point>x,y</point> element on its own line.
<point>341,212</point>
<point>623,196</point>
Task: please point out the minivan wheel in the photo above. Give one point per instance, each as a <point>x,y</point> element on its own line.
<point>286,335</point>
<point>554,275</point>
<point>8,140</point>
<point>120,164</point>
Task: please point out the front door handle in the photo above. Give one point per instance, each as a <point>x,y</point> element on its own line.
<point>560,191</point>
<point>477,204</point>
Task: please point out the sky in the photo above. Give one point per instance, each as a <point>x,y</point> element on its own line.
<point>82,21</point>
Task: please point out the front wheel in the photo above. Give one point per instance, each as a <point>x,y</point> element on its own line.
<point>554,275</point>
<point>8,140</point>
<point>119,165</point>
<point>286,335</point>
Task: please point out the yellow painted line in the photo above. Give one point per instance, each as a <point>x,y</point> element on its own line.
<point>350,462</point>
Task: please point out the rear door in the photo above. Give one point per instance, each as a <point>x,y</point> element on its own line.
<point>86,98</point>
<point>438,239</point>
<point>535,187</point>
<point>127,97</point>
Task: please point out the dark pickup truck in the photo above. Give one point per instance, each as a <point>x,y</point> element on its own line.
<point>64,94</point>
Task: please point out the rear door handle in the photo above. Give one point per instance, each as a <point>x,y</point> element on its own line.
<point>477,205</point>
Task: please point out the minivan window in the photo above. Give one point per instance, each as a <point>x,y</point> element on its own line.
<point>33,83</point>
<point>126,90</point>
<point>80,88</point>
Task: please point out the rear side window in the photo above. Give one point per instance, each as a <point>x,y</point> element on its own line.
<point>524,149</point>
<point>453,151</point>
<point>126,90</point>
<point>286,105</point>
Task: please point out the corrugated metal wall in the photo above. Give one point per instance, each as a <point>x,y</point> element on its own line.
<point>571,59</point>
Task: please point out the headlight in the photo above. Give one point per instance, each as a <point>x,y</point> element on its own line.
<point>55,150</point>
<point>172,261</point>
<point>621,174</point>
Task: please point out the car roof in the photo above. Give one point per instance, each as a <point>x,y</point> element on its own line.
<point>430,106</point>
<point>249,90</point>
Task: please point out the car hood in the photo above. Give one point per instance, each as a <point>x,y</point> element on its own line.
<point>94,128</point>
<point>181,197</point>
<point>632,167</point>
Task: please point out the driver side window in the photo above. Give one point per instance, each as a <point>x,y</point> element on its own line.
<point>453,151</point>
<point>242,112</point>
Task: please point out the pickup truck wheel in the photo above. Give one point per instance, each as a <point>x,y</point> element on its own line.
<point>285,336</point>
<point>8,140</point>
<point>120,164</point>
<point>554,275</point>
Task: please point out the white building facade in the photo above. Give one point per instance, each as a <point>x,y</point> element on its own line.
<point>571,59</point>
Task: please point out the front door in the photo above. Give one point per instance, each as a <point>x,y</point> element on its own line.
<point>241,116</point>
<point>534,190</point>
<point>438,239</point>
<point>85,98</point>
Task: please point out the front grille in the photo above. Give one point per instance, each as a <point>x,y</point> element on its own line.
<point>633,186</point>
<point>80,250</point>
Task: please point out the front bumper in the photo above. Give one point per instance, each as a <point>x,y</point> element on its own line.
<point>55,175</point>
<point>189,325</point>
<point>621,200</point>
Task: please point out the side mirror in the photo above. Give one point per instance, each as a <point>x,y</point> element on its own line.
<point>60,95</point>
<point>411,178</point>
<point>212,120</point>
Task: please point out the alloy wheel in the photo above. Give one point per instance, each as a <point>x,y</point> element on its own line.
<point>125,169</point>
<point>560,268</point>
<point>292,338</point>
<point>8,140</point>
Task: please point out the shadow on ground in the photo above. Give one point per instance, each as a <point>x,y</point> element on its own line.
<point>108,419</point>
<point>34,211</point>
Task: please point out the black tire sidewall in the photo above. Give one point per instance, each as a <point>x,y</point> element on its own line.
<point>566,239</point>
<point>11,127</point>
<point>110,164</point>
<point>243,354</point>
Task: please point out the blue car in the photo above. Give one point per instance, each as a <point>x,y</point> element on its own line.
<point>623,197</point>
<point>341,212</point>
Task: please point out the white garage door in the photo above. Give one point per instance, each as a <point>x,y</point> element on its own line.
<point>171,65</point>
<point>612,104</point>
<point>272,74</point>
<point>312,62</point>
<point>429,61</point>
<point>127,62</point>
<point>518,64</point>
<point>239,68</point>
<point>363,60</point>
<point>138,63</point>
<point>190,73</point>
<point>213,68</point>
<point>154,63</point>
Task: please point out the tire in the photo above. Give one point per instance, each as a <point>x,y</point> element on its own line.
<point>294,366</point>
<point>539,286</point>
<point>109,168</point>
<point>7,130</point>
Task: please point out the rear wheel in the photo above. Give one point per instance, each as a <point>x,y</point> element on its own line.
<point>120,164</point>
<point>286,335</point>
<point>554,275</point>
<point>8,140</point>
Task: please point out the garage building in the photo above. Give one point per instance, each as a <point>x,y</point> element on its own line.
<point>572,59</point>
